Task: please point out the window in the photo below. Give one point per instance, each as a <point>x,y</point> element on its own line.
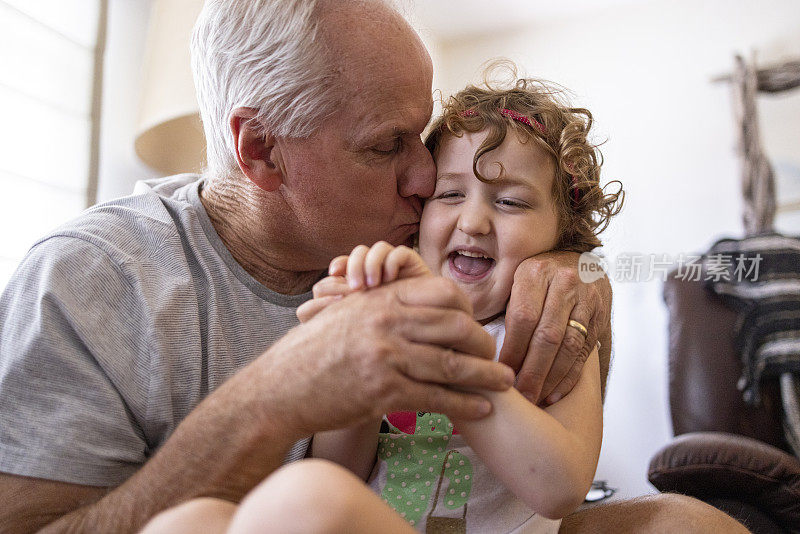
<point>50,62</point>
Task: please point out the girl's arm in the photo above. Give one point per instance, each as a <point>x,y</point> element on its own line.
<point>353,447</point>
<point>546,457</point>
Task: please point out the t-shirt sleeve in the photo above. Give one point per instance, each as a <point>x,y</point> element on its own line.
<point>72,338</point>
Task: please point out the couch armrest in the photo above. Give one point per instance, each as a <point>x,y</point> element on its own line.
<point>711,465</point>
<point>704,368</point>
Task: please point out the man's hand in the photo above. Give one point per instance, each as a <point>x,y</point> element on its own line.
<point>408,345</point>
<point>547,353</point>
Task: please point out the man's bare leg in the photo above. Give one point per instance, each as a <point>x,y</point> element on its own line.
<point>665,512</point>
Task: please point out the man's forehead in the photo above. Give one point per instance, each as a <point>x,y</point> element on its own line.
<point>385,73</point>
<point>388,103</point>
<point>370,33</point>
<point>392,113</point>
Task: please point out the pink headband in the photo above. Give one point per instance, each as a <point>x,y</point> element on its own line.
<point>533,123</point>
<point>511,114</point>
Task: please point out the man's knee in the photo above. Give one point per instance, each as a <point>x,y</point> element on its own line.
<point>664,512</point>
<point>692,514</point>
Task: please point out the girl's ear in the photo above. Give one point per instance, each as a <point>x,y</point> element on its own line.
<point>256,151</point>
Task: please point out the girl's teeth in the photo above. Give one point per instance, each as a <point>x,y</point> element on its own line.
<point>471,254</point>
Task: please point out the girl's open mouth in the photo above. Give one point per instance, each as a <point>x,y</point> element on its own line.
<point>469,266</point>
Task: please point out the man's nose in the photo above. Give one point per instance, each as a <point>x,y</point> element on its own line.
<point>418,178</point>
<point>474,219</point>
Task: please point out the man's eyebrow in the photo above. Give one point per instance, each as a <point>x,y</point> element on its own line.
<point>369,138</point>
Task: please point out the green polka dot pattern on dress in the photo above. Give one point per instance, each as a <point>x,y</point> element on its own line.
<point>458,472</point>
<point>414,463</point>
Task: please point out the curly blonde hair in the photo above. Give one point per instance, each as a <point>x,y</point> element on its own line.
<point>563,135</point>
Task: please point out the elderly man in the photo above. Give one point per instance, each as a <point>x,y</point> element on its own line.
<point>147,348</point>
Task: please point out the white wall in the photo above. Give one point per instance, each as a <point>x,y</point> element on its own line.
<point>120,168</point>
<point>645,71</point>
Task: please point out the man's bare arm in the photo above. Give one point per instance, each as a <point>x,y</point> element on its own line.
<point>31,503</point>
<point>395,348</point>
<point>224,459</point>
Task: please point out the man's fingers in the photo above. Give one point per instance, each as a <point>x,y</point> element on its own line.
<point>331,286</point>
<point>446,328</point>
<point>439,399</point>
<point>310,308</point>
<point>565,358</point>
<point>425,363</point>
<point>567,383</point>
<point>431,291</point>
<point>575,347</point>
<point>546,341</point>
<point>522,316</point>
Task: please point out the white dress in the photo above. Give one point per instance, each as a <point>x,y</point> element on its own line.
<point>435,480</point>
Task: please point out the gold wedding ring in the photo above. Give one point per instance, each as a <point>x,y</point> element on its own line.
<point>578,326</point>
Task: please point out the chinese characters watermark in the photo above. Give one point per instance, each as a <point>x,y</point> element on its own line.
<point>638,267</point>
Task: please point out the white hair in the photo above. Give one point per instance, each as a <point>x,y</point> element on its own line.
<point>262,54</point>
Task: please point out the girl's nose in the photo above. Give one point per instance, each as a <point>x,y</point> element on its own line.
<point>474,219</point>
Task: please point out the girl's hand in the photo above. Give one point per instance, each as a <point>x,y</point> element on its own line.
<point>326,292</point>
<point>380,264</point>
<point>365,267</point>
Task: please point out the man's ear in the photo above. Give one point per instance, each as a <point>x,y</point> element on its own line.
<point>256,152</point>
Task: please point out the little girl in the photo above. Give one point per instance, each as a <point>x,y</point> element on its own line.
<point>516,177</point>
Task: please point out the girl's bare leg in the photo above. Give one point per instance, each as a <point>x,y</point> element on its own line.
<point>315,496</point>
<point>198,516</point>
<point>310,496</point>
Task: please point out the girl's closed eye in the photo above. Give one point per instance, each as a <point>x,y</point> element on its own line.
<point>513,203</point>
<point>452,195</point>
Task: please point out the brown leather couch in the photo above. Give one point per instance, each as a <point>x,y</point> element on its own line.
<point>726,453</point>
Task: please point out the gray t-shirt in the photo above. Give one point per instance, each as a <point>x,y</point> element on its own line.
<point>116,325</point>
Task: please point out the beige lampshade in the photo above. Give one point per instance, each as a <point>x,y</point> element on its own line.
<point>169,135</point>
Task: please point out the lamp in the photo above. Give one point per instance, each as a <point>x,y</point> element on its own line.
<point>169,135</point>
